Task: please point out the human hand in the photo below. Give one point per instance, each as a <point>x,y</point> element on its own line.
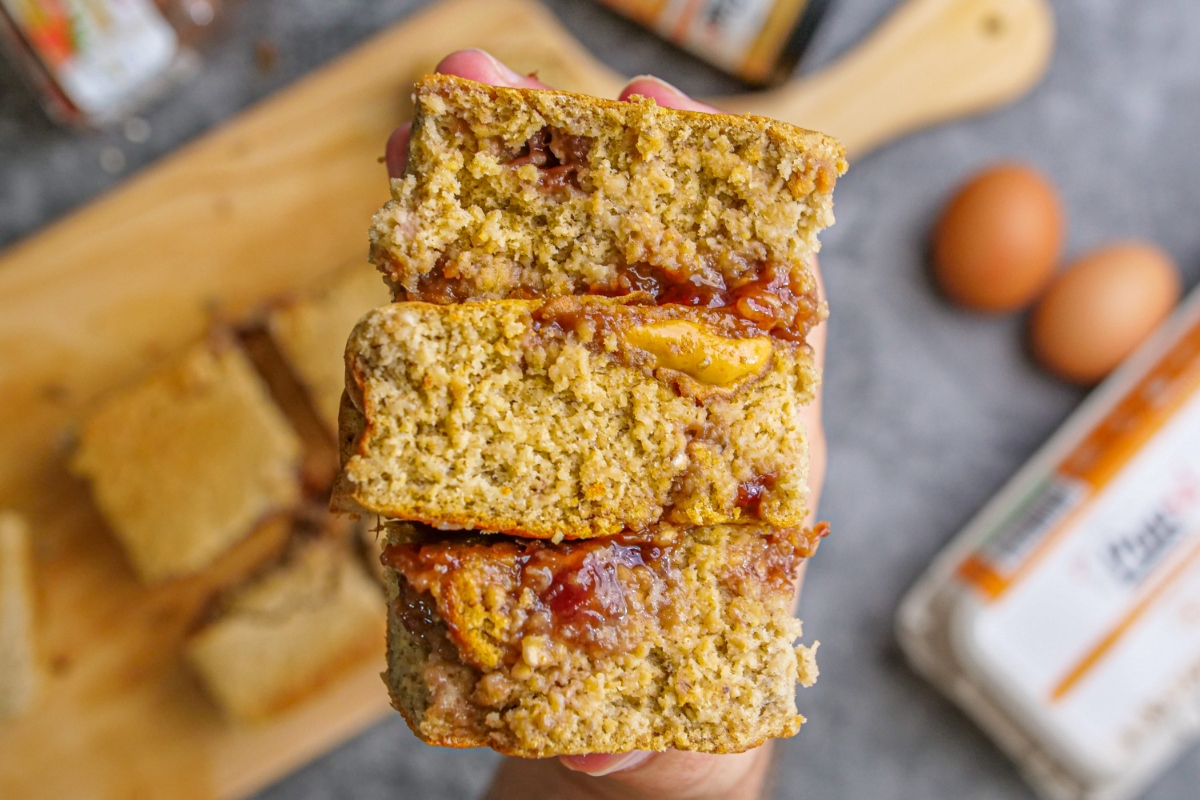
<point>672,775</point>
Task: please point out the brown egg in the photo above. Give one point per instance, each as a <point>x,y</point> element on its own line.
<point>996,245</point>
<point>1101,308</point>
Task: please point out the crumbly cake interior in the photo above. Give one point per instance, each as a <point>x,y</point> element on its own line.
<point>597,418</point>
<point>684,638</point>
<point>521,193</point>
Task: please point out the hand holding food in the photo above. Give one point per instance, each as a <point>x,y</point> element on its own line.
<point>655,442</point>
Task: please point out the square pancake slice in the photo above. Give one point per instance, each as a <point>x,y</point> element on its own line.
<point>311,333</point>
<point>682,639</point>
<point>571,418</point>
<point>285,635</point>
<point>520,193</point>
<point>185,463</point>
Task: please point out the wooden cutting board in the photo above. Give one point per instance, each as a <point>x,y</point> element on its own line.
<point>264,206</point>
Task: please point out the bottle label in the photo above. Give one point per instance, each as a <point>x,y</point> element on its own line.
<point>724,32</point>
<point>1091,586</point>
<point>98,52</point>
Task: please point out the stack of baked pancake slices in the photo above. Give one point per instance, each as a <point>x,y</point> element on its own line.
<point>581,420</point>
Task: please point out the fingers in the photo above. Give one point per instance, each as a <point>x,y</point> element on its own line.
<point>396,151</point>
<point>811,414</point>
<point>635,776</point>
<point>816,337</point>
<point>478,65</point>
<point>600,764</point>
<point>662,93</point>
<point>675,774</point>
<point>475,65</point>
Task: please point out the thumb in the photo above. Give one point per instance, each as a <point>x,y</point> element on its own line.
<point>662,93</point>
<point>674,775</point>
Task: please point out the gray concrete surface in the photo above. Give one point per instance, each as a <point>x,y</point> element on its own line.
<point>928,409</point>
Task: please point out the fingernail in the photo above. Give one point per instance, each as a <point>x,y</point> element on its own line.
<point>656,80</point>
<point>600,764</point>
<point>502,69</point>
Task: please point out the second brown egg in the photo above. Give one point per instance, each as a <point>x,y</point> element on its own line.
<point>1099,309</point>
<point>997,243</point>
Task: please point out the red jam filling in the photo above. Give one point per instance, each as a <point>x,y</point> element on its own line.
<point>750,493</point>
<point>558,156</point>
<point>599,594</point>
<point>766,296</point>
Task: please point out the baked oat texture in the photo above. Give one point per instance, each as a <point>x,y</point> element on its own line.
<point>20,672</point>
<point>185,463</point>
<point>289,633</point>
<point>714,668</point>
<point>311,333</point>
<point>712,196</point>
<point>481,416</point>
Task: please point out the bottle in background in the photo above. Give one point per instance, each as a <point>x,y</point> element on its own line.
<point>759,41</point>
<point>95,62</point>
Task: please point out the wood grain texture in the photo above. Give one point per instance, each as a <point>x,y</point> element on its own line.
<point>260,208</point>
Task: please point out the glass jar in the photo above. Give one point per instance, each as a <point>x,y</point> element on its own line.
<point>95,62</point>
<point>759,41</point>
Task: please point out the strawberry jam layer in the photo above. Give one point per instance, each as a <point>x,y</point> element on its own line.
<point>763,299</point>
<point>765,295</point>
<point>605,595</point>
